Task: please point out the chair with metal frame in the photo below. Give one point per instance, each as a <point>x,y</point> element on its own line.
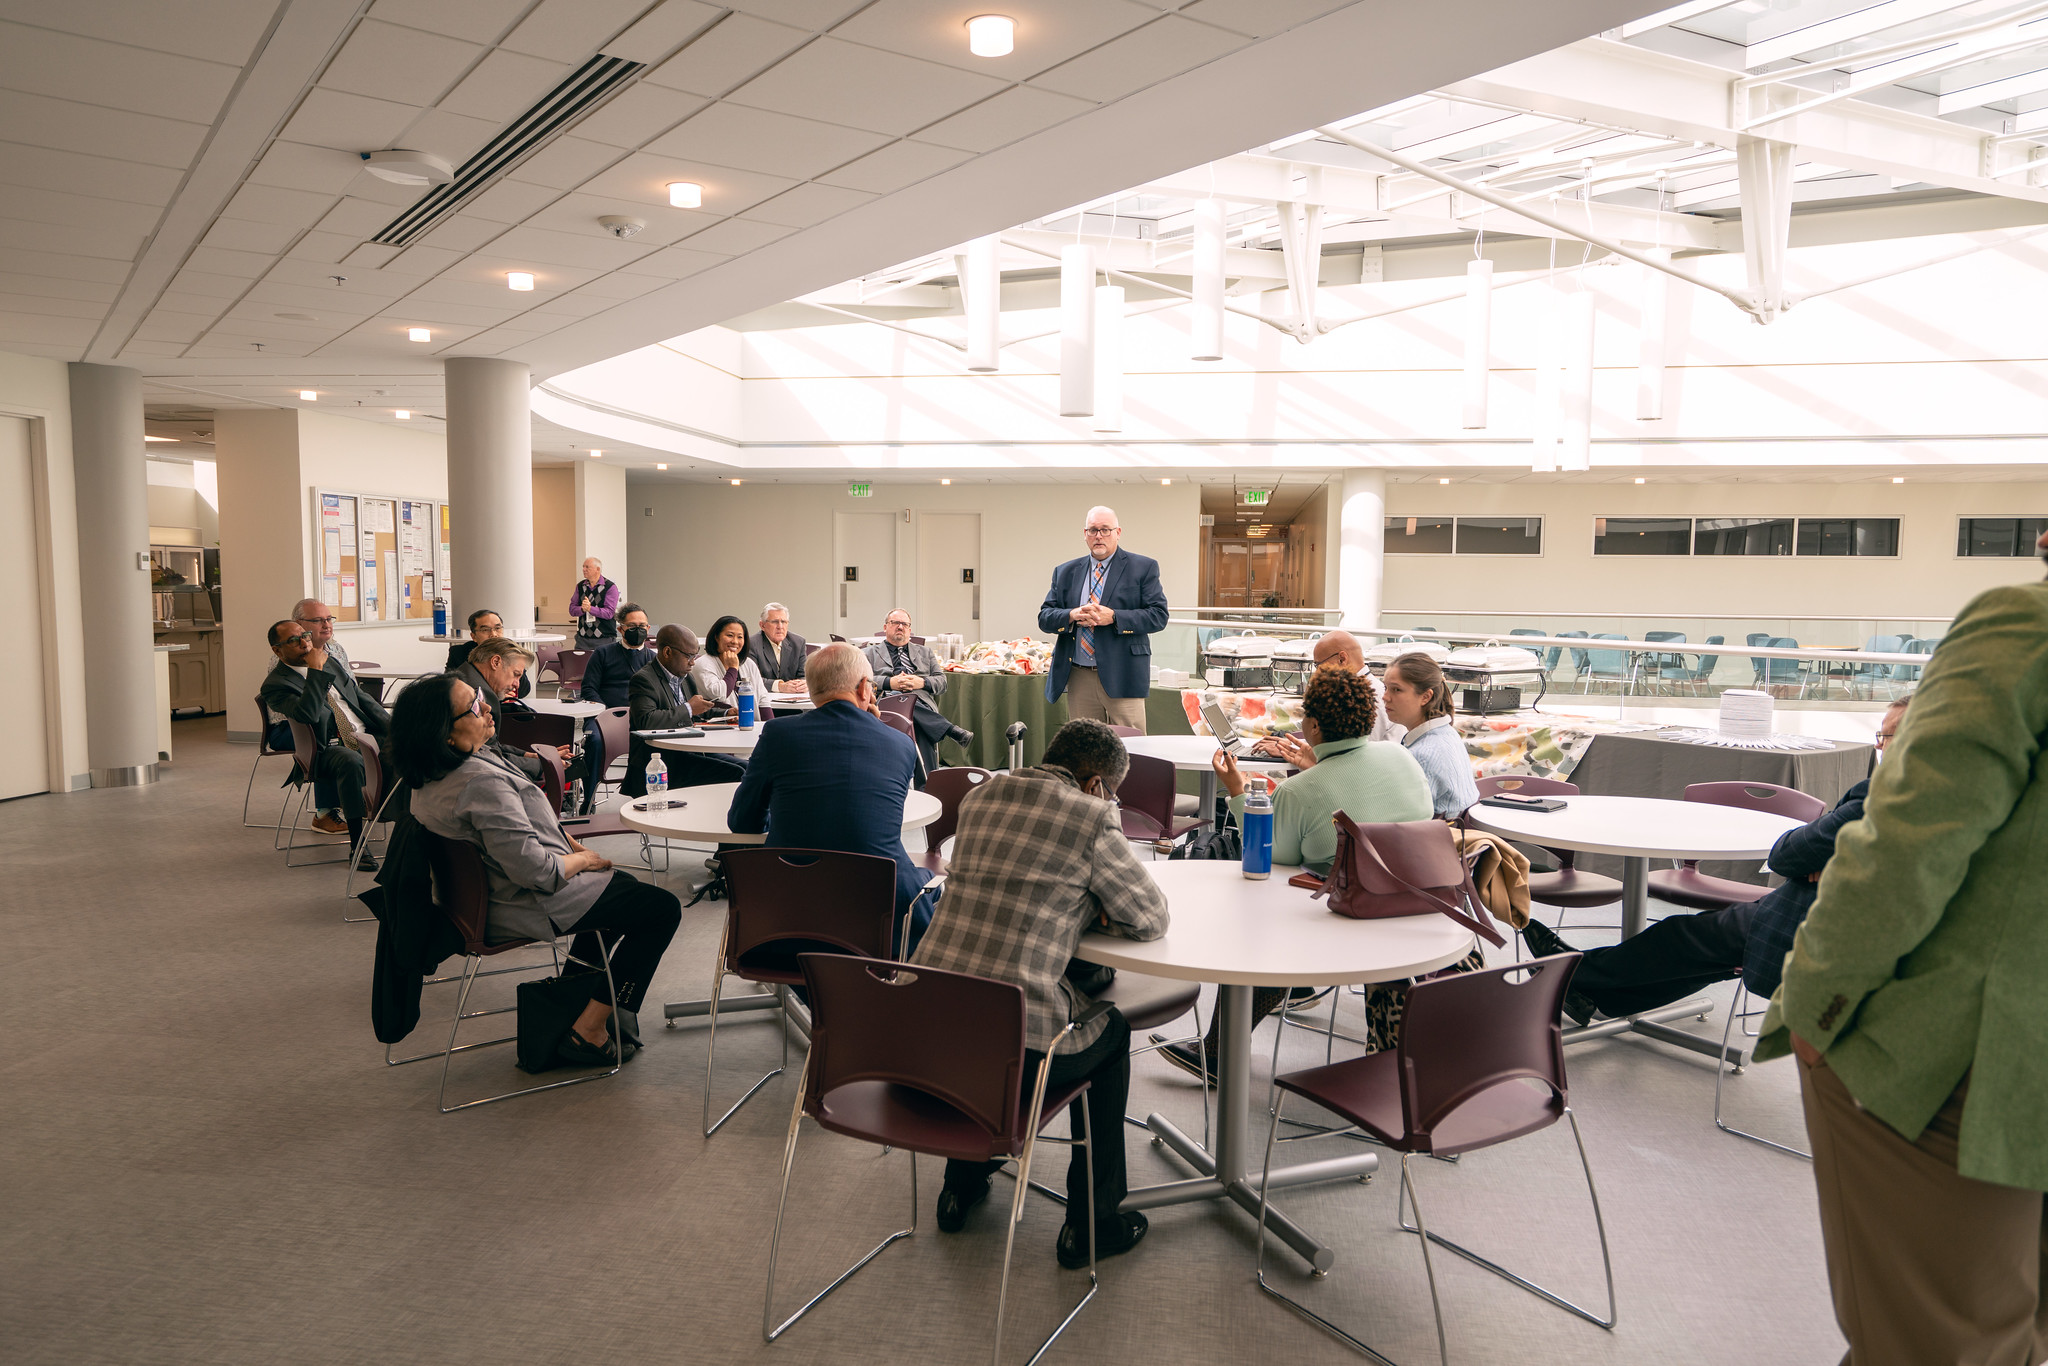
<point>1722,1070</point>
<point>462,889</point>
<point>1785,672</point>
<point>931,1062</point>
<point>784,902</point>
<point>1568,888</point>
<point>377,793</point>
<point>1582,660</point>
<point>615,728</point>
<point>1457,1081</point>
<point>898,720</point>
<point>305,749</point>
<point>263,751</point>
<point>1702,672</point>
<point>1610,666</point>
<point>554,782</point>
<point>1550,655</point>
<point>1655,665</point>
<point>950,786</point>
<point>569,668</point>
<point>1147,800</point>
<point>1687,886</point>
<point>1758,665</point>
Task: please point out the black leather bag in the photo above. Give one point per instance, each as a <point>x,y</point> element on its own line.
<point>547,1007</point>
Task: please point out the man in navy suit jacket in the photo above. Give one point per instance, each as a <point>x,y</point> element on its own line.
<point>1101,613</point>
<point>836,777</point>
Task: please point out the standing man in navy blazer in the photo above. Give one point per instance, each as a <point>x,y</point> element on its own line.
<point>836,777</point>
<point>1101,613</point>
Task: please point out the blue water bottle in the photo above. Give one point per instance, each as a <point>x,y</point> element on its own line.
<point>440,617</point>
<point>1258,830</point>
<point>745,701</point>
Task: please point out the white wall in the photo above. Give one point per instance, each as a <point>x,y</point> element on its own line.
<point>40,390</point>
<point>555,558</point>
<point>601,521</point>
<point>709,549</point>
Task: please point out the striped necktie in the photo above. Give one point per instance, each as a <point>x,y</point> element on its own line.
<point>1086,635</point>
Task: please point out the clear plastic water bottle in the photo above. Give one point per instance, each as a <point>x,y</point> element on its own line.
<point>657,777</point>
<point>1258,830</point>
<point>744,698</point>
<point>440,616</point>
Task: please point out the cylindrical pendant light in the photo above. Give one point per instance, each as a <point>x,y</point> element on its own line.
<point>1109,358</point>
<point>1478,339</point>
<point>1650,359</point>
<point>1077,330</point>
<point>981,284</point>
<point>1543,404</point>
<point>1207,327</point>
<point>1575,452</point>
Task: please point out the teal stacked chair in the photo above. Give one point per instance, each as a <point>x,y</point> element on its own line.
<point>1869,674</point>
<point>1756,662</point>
<point>1608,666</point>
<point>1581,659</point>
<point>1700,673</point>
<point>1655,665</point>
<point>1910,673</point>
<point>1550,655</point>
<point>1786,672</point>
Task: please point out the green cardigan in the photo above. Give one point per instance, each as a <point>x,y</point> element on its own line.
<point>1925,957</point>
<point>1366,780</point>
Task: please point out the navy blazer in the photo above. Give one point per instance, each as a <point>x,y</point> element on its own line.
<point>834,778</point>
<point>1123,649</point>
<point>1796,856</point>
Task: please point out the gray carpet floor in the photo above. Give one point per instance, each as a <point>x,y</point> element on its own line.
<point>204,1159</point>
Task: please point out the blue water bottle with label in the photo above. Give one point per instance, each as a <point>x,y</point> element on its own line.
<point>744,699</point>
<point>440,617</point>
<point>1258,830</point>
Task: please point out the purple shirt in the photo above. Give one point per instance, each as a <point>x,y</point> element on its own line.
<point>600,599</point>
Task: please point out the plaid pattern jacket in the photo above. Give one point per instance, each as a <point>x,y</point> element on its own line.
<point>1036,862</point>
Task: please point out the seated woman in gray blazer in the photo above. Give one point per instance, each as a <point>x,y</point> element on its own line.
<point>543,883</point>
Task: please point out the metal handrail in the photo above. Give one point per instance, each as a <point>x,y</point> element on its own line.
<point>1652,647</point>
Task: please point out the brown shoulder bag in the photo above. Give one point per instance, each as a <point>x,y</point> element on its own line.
<point>1384,870</point>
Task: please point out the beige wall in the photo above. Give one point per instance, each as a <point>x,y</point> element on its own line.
<point>712,548</point>
<point>554,539</point>
<point>40,390</point>
<point>601,521</point>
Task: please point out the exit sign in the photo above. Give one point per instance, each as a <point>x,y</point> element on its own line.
<point>860,490</point>
<point>1256,498</point>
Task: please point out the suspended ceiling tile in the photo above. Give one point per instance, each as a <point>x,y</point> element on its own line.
<point>27,235</point>
<point>220,30</point>
<point>300,166</point>
<point>77,210</point>
<point>479,21</point>
<point>68,266</point>
<point>490,269</point>
<point>676,263</point>
<point>566,163</point>
<point>1162,49</point>
<point>657,34</point>
<point>730,134</point>
<point>328,248</point>
<point>242,234</point>
<point>808,205</point>
<point>154,350</point>
<point>200,284</point>
<point>623,286</point>
<point>62,336</point>
<point>420,261</point>
<point>813,15</point>
<point>894,167</point>
<point>732,50</point>
<point>68,126</point>
<point>511,201</point>
<point>571,28</point>
<point>574,307</point>
<point>737,235</point>
<point>504,85</point>
<point>348,123</point>
<point>1016,113</point>
<point>1048,31</point>
<point>462,233</point>
<point>438,314</point>
<point>162,325</point>
<point>277,204</point>
<point>578,214</point>
<point>1260,18</point>
<point>50,306</point>
<point>363,217</point>
<point>113,74</point>
<point>56,287</point>
<point>453,137</point>
<point>638,113</point>
<point>866,87</point>
<point>403,65</point>
<point>644,179</point>
<point>595,250</point>
<point>76,173</point>
<point>361,289</point>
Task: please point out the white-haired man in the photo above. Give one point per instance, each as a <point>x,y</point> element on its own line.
<point>777,651</point>
<point>1101,612</point>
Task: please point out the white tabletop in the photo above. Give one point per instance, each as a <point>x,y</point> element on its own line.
<point>1641,827</point>
<point>702,815</point>
<point>1191,751</point>
<point>784,701</point>
<point>726,740</point>
<point>1229,929</point>
<point>384,671</point>
<point>555,707</point>
<point>536,638</point>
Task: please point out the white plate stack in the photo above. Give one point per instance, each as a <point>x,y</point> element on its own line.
<point>1746,714</point>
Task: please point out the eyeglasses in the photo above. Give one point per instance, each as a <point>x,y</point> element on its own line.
<point>313,621</point>
<point>292,640</point>
<point>1883,737</point>
<point>1099,530</point>
<point>477,705</point>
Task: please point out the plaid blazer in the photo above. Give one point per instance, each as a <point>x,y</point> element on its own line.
<point>1036,861</point>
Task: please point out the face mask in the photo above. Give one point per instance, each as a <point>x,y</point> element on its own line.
<point>636,636</point>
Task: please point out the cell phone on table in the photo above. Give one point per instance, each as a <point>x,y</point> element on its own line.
<point>1514,803</point>
<point>1219,726</point>
<point>668,804</point>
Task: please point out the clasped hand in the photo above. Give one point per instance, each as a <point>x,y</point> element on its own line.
<point>1093,614</point>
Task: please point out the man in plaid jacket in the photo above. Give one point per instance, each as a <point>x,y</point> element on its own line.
<point>1039,857</point>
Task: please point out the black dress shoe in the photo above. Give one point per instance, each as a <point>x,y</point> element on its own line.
<point>1543,941</point>
<point>1121,1234</point>
<point>366,862</point>
<point>960,736</point>
<point>1184,1056</point>
<point>1580,1008</point>
<point>578,1051</point>
<point>954,1204</point>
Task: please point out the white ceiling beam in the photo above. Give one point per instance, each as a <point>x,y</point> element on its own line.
<point>1677,14</point>
<point>2005,88</point>
<point>1845,29</point>
<point>1479,135</point>
<point>1141,255</point>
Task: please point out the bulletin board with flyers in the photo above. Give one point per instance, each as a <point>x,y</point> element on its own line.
<point>379,559</point>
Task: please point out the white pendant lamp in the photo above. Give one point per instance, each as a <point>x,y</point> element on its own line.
<point>1077,330</point>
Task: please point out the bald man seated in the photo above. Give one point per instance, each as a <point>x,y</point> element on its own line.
<point>662,697</point>
<point>1101,612</point>
<point>1336,650</point>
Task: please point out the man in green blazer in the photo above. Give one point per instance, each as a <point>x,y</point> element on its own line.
<point>1916,997</point>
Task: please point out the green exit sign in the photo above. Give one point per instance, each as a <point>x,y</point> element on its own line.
<point>860,490</point>
<point>1256,498</point>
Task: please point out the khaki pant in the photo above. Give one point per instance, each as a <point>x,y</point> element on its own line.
<point>1086,701</point>
<point>1926,1264</point>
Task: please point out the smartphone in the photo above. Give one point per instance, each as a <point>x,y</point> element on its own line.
<point>1514,803</point>
<point>663,805</point>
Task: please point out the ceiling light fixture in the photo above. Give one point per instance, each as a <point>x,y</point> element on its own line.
<point>402,167</point>
<point>1642,481</point>
<point>735,483</point>
<point>418,334</point>
<point>945,481</point>
<point>596,454</point>
<point>661,467</point>
<point>520,281</point>
<point>1898,479</point>
<point>309,395</point>
<point>1443,481</point>
<point>402,414</point>
<point>991,35</point>
<point>685,194</point>
<point>172,439</point>
<point>1165,482</point>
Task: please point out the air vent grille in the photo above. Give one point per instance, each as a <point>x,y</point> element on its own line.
<point>589,86</point>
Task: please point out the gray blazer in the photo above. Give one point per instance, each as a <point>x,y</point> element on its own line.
<point>923,663</point>
<point>501,812</point>
<point>784,665</point>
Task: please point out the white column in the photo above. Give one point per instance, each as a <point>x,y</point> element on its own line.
<point>1361,554</point>
<point>1077,331</point>
<point>490,488</point>
<point>981,288</point>
<point>1109,358</point>
<point>112,482</point>
<point>1206,328</point>
<point>1478,339</point>
<point>601,520</point>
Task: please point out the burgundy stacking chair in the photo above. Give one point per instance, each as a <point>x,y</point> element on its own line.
<point>1480,1061</point>
<point>1126,732</point>
<point>783,902</point>
<point>1567,887</point>
<point>377,791</point>
<point>615,726</point>
<point>1147,798</point>
<point>1687,886</point>
<point>950,786</point>
<point>524,729</point>
<point>304,750</point>
<point>463,890</point>
<point>569,667</point>
<point>896,715</point>
<point>544,657</point>
<point>931,1062</point>
<point>554,782</point>
<point>263,751</point>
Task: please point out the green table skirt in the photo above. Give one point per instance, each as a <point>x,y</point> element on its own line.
<point>987,703</point>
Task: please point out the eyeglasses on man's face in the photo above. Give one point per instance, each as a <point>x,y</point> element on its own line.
<point>1099,530</point>
<point>293,640</point>
<point>314,621</point>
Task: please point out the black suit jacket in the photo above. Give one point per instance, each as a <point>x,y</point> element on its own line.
<point>287,696</point>
<point>458,655</point>
<point>785,665</point>
<point>651,706</point>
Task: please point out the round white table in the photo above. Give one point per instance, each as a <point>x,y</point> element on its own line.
<point>714,740</point>
<point>1240,933</point>
<point>1194,753</point>
<point>534,638</point>
<point>700,819</point>
<point>576,707</point>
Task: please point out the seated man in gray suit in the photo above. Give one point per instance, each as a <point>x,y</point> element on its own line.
<point>297,688</point>
<point>777,652</point>
<point>902,665</point>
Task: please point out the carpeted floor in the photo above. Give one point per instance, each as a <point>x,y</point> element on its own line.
<point>204,1159</point>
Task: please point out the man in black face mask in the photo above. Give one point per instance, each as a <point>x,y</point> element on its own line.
<point>607,679</point>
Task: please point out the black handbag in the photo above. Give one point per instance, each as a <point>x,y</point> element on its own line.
<point>547,1007</point>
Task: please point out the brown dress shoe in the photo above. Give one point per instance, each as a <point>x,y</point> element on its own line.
<point>330,825</point>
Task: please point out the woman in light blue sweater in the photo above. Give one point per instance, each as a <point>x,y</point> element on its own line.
<point>1419,698</point>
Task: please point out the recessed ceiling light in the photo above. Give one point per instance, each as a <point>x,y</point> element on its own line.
<point>685,194</point>
<point>309,395</point>
<point>402,167</point>
<point>945,481</point>
<point>1641,481</point>
<point>418,334</point>
<point>1898,479</point>
<point>596,454</point>
<point>735,483</point>
<point>1164,482</point>
<point>402,414</point>
<point>1443,481</point>
<point>661,467</point>
<point>991,35</point>
<point>172,439</point>
<point>519,280</point>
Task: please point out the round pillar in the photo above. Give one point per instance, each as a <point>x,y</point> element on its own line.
<point>114,574</point>
<point>1361,547</point>
<point>490,490</point>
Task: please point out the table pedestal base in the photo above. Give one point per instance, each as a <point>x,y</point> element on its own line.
<point>780,999</point>
<point>1650,1025</point>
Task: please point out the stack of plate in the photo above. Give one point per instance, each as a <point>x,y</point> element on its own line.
<point>1745,714</point>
